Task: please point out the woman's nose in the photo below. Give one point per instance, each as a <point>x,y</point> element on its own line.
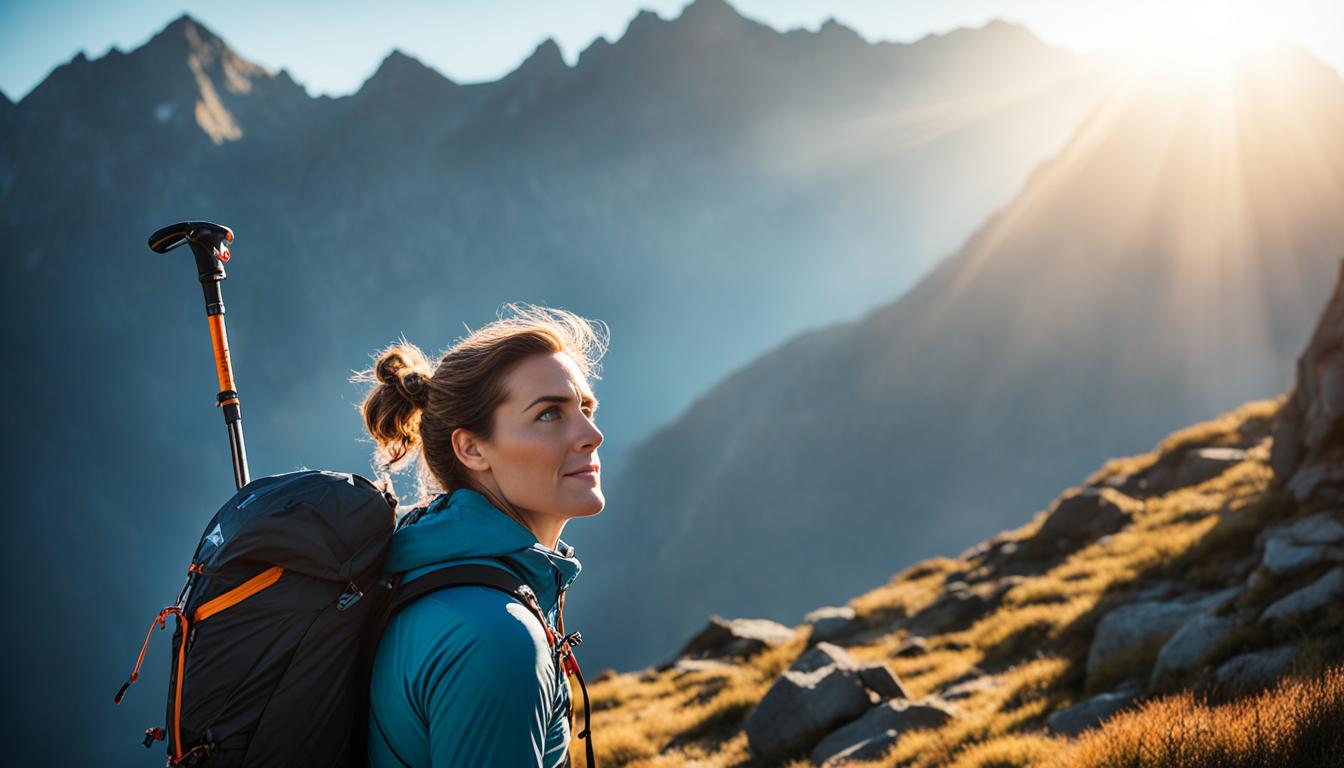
<point>592,436</point>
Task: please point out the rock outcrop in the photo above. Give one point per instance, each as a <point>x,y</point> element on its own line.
<point>736,637</point>
<point>1073,720</point>
<point>1309,432</point>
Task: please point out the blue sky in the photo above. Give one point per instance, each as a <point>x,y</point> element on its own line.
<point>333,47</point>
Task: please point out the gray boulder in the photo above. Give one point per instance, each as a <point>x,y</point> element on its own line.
<point>873,734</point>
<point>879,679</point>
<point>1188,645</point>
<point>873,675</point>
<point>738,637</point>
<point>1317,481</point>
<point>832,623</point>
<point>1321,528</point>
<point>1139,623</point>
<point>1088,714</point>
<point>1285,557</point>
<point>1320,593</point>
<point>803,706</point>
<point>1085,514</point>
<point>1253,671</point>
<point>823,655</point>
<point>1306,542</point>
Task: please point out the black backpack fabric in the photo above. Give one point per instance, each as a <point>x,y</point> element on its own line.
<point>279,620</point>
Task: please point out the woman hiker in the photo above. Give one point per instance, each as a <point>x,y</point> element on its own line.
<point>503,426</point>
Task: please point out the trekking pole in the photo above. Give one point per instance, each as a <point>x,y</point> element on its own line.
<point>209,242</point>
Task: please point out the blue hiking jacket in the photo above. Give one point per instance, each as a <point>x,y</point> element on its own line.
<point>464,676</point>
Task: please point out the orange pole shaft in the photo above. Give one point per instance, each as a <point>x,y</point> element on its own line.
<point>219,338</point>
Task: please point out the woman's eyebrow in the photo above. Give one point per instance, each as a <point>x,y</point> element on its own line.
<point>587,400</point>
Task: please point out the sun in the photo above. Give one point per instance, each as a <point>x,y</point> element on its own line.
<point>1205,37</point>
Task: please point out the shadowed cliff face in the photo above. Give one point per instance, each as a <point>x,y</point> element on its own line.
<point>1162,268</point>
<point>705,185</point>
<point>1308,453</point>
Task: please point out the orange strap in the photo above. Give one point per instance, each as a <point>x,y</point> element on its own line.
<point>177,693</point>
<point>159,621</point>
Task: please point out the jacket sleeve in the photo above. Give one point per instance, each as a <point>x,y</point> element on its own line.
<point>487,687</point>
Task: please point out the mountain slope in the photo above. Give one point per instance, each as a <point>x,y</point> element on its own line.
<point>1212,566</point>
<point>1159,270</point>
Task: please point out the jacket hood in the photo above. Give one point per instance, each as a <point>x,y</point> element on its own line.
<point>464,526</point>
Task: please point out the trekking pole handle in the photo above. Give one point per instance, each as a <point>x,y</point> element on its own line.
<point>209,244</point>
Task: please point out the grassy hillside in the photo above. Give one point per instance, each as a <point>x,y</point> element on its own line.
<point>1008,626</point>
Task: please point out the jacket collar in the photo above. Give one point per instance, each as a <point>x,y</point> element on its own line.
<point>465,525</point>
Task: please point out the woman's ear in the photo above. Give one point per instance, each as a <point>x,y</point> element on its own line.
<point>467,448</point>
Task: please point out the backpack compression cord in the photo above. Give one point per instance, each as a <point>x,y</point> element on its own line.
<point>567,645</point>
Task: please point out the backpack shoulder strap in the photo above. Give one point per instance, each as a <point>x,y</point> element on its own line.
<point>474,575</point>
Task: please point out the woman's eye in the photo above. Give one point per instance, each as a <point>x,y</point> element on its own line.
<point>556,409</point>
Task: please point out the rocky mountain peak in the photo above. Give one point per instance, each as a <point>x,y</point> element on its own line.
<point>832,29</point>
<point>545,60</point>
<point>709,12</point>
<point>402,73</point>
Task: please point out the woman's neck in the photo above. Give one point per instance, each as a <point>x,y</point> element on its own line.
<point>544,528</point>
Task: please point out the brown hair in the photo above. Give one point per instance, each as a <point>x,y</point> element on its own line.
<point>415,407</point>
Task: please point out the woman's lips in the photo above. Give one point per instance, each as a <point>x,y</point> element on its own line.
<point>585,475</point>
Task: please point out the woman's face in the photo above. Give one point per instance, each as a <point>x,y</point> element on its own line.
<point>544,434</point>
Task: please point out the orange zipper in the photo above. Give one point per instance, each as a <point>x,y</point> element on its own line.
<point>239,593</point>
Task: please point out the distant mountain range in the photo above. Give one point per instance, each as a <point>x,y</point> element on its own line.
<point>706,185</point>
<point>1161,269</point>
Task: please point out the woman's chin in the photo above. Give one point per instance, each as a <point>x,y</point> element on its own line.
<point>591,504</point>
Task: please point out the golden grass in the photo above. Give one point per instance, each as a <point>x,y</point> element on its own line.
<point>1298,723</point>
<point>1227,429</point>
<point>986,716</point>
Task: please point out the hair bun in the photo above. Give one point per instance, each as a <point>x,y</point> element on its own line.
<point>413,386</point>
<point>400,370</point>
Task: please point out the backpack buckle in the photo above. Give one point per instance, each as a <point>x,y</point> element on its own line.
<point>152,735</point>
<point>349,597</point>
<point>528,595</point>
